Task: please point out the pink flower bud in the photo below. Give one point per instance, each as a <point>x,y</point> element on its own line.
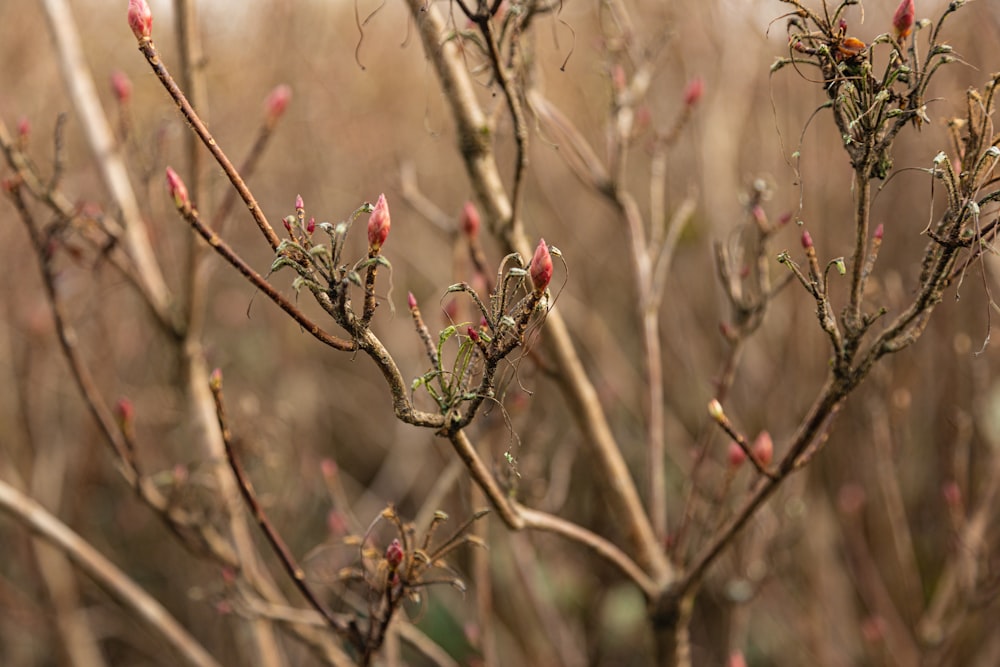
<point>140,19</point>
<point>311,225</point>
<point>124,411</point>
<point>763,448</point>
<point>693,91</point>
<point>379,224</point>
<point>394,554</point>
<point>851,498</point>
<point>276,103</point>
<point>470,220</point>
<point>785,218</point>
<point>879,231</point>
<point>121,85</point>
<point>807,239</point>
<point>952,494</point>
<point>541,267</point>
<point>336,523</point>
<point>902,20</point>
<point>177,189</point>
<point>24,128</point>
<point>736,659</point>
<point>618,78</point>
<point>735,456</point>
<point>299,205</point>
<point>411,301</point>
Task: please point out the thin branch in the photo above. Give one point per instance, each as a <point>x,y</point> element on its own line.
<point>102,144</point>
<point>348,630</point>
<point>481,167</point>
<point>258,281</point>
<point>105,573</point>
<point>148,50</point>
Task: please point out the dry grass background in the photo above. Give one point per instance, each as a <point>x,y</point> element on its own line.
<point>787,594</point>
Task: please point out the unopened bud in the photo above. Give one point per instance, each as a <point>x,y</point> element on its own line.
<point>618,78</point>
<point>715,410</point>
<point>394,554</point>
<point>470,220</point>
<point>121,86</point>
<point>902,20</point>
<point>763,448</point>
<point>736,659</point>
<point>378,224</point>
<point>140,19</point>
<point>177,189</point>
<point>124,412</point>
<point>879,231</point>
<point>276,103</point>
<point>807,239</point>
<point>215,379</point>
<point>24,129</point>
<point>311,225</point>
<point>735,455</point>
<point>299,205</point>
<point>411,301</point>
<point>473,334</point>
<point>952,494</point>
<point>541,267</point>
<point>693,91</point>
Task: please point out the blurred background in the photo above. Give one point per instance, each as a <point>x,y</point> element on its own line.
<point>797,586</point>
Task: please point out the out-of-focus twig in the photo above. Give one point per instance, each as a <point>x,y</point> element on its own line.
<point>120,585</point>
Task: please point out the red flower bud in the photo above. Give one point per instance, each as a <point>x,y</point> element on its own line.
<point>736,659</point>
<point>807,240</point>
<point>394,554</point>
<point>618,78</point>
<point>763,448</point>
<point>276,103</point>
<point>693,91</point>
<point>902,20</point>
<point>311,225</point>
<point>379,224</point>
<point>121,85</point>
<point>541,267</point>
<point>952,494</point>
<point>473,334</point>
<point>124,411</point>
<point>735,455</point>
<point>177,189</point>
<point>140,19</point>
<point>470,220</point>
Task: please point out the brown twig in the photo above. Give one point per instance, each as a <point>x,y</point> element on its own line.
<point>347,629</point>
<point>124,589</point>
<point>191,216</point>
<point>148,50</point>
